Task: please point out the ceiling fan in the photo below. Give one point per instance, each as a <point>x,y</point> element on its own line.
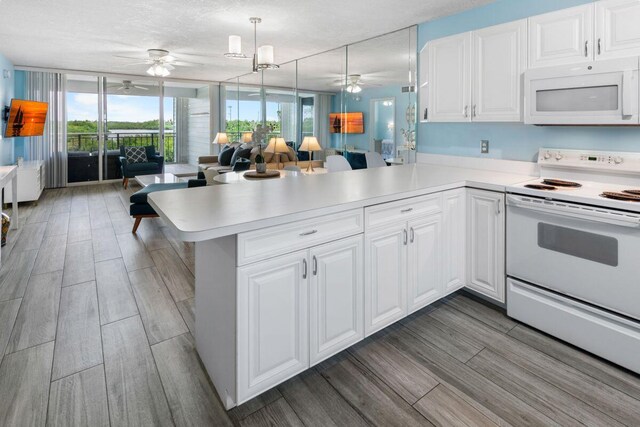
<point>127,86</point>
<point>354,83</point>
<point>160,62</point>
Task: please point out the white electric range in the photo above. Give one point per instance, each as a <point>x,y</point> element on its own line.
<point>573,251</point>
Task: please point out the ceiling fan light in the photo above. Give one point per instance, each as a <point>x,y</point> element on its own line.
<point>353,88</point>
<point>235,44</point>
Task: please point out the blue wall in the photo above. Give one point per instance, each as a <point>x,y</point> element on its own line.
<point>21,93</point>
<point>6,93</point>
<point>513,141</point>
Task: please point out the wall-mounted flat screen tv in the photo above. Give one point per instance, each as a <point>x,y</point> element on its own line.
<point>346,122</point>
<point>26,118</point>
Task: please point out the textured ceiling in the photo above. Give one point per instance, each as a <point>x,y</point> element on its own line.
<point>87,34</point>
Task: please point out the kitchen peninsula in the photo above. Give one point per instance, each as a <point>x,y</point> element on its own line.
<point>289,272</point>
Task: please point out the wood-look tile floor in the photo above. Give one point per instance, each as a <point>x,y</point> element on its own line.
<point>96,329</point>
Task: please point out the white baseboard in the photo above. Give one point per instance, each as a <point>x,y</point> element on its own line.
<point>508,166</point>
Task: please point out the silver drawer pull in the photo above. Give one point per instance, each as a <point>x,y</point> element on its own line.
<point>406,210</point>
<point>308,233</point>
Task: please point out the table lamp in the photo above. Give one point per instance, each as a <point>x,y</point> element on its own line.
<point>277,146</point>
<point>310,144</point>
<point>247,137</point>
<point>221,139</point>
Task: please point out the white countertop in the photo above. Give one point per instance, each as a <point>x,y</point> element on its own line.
<point>210,212</point>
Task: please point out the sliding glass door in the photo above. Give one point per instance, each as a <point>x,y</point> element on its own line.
<point>83,137</point>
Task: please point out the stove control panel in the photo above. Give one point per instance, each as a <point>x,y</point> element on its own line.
<point>623,162</point>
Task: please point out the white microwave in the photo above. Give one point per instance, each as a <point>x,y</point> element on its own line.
<point>596,93</point>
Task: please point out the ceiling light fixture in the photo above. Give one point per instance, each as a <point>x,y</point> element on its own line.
<point>263,56</point>
<point>158,69</point>
<point>353,86</point>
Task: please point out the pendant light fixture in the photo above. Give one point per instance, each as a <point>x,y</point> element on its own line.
<point>263,56</point>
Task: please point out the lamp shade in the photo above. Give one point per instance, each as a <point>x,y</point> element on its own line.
<point>247,137</point>
<point>221,138</point>
<point>266,55</point>
<point>235,45</point>
<point>277,145</point>
<point>310,143</point>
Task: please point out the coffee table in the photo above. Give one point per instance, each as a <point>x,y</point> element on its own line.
<point>162,178</point>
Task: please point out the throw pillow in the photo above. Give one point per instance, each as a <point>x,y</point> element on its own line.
<point>135,155</point>
<point>150,150</point>
<point>224,158</point>
<point>240,153</point>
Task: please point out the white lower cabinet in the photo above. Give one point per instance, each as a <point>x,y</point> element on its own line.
<point>296,310</point>
<point>424,267</point>
<point>335,297</point>
<point>385,299</point>
<point>486,244</point>
<point>454,239</point>
<point>272,322</point>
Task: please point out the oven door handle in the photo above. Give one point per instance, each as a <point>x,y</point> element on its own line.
<point>569,210</point>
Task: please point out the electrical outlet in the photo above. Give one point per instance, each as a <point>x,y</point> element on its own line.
<point>484,146</point>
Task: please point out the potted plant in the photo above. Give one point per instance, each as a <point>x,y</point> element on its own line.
<point>261,166</point>
<point>258,136</point>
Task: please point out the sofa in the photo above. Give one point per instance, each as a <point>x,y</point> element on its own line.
<point>285,159</point>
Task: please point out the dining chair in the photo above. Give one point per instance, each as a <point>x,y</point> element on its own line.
<point>337,164</point>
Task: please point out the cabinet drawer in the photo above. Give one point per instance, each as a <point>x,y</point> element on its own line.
<point>390,213</point>
<point>272,241</point>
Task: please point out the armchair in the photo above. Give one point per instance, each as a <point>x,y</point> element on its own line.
<point>153,165</point>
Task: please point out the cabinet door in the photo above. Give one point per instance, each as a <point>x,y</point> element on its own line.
<point>336,297</point>
<point>385,267</point>
<point>486,246</point>
<point>617,28</point>
<point>562,37</point>
<point>454,226</point>
<point>449,79</point>
<point>424,252</point>
<point>272,323</point>
<point>499,59</point>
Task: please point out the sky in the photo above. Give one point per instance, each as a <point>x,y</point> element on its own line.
<point>250,110</point>
<point>120,108</point>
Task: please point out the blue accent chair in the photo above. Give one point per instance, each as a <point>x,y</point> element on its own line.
<point>140,207</point>
<point>153,166</point>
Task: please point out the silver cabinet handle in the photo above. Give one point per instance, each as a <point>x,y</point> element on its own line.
<point>308,233</point>
<point>412,235</point>
<point>406,210</point>
<point>404,232</point>
<point>315,265</point>
<point>586,49</point>
<point>473,111</point>
<point>599,47</point>
<point>497,207</point>
<point>466,111</point>
<point>304,268</point>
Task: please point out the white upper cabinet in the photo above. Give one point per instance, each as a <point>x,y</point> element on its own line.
<point>499,59</point>
<point>562,37</point>
<point>449,79</point>
<point>617,28</point>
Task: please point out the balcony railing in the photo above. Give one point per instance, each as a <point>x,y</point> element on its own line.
<point>88,142</point>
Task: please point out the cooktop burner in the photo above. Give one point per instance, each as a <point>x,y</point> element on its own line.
<point>621,196</point>
<point>541,187</point>
<point>561,183</point>
<point>634,192</point>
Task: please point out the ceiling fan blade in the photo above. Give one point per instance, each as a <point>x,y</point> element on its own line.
<point>169,67</point>
<point>167,58</point>
<point>186,64</point>
<point>134,64</point>
<point>141,87</point>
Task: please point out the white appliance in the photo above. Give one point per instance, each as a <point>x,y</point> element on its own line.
<point>573,255</point>
<point>594,93</point>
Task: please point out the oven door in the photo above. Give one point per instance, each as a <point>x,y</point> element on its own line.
<point>591,254</point>
<point>594,94</point>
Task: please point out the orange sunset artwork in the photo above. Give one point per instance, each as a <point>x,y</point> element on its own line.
<point>26,118</point>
